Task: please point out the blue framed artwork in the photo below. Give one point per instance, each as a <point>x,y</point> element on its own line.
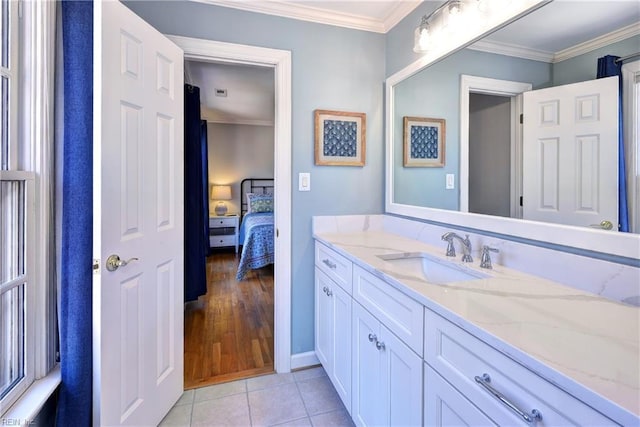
<point>340,138</point>
<point>424,142</point>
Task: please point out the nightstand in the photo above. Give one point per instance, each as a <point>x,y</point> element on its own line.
<point>223,231</point>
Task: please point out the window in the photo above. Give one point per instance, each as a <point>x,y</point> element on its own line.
<point>17,224</point>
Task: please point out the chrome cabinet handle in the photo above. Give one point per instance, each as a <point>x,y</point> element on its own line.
<point>324,289</point>
<point>605,225</point>
<point>114,262</point>
<point>380,345</point>
<point>329,292</point>
<point>373,337</point>
<point>531,418</point>
<point>329,264</point>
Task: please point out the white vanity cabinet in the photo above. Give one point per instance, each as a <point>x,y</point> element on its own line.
<point>387,375</point>
<point>387,348</point>
<point>479,373</point>
<point>333,319</point>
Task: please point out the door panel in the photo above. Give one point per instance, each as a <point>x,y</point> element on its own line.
<point>138,215</point>
<point>570,153</point>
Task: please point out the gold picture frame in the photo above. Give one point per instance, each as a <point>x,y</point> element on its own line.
<point>424,142</point>
<point>340,138</point>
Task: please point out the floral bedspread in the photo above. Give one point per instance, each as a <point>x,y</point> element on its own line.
<point>258,246</point>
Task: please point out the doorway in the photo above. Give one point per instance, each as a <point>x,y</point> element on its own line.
<point>498,90</point>
<point>489,154</point>
<point>280,62</point>
<point>228,331</point>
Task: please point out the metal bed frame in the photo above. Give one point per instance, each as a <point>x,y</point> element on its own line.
<point>253,185</point>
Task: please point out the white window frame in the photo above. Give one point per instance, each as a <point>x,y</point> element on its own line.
<point>30,161</point>
<point>631,109</point>
<point>30,286</point>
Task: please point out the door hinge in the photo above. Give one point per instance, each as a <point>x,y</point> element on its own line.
<point>520,200</point>
<point>96,265</point>
<point>521,118</point>
<point>277,233</point>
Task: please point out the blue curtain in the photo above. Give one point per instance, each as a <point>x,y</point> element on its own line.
<point>195,251</point>
<point>608,67</point>
<point>204,142</point>
<point>75,323</point>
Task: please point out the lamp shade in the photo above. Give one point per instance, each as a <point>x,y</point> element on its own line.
<point>221,192</point>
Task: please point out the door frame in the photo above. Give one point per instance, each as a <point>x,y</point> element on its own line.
<point>280,61</point>
<point>506,88</point>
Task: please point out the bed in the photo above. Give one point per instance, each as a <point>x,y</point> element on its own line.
<point>256,233</point>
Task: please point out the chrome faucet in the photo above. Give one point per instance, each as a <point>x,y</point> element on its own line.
<point>485,259</point>
<point>466,245</point>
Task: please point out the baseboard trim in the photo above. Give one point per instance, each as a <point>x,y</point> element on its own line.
<point>304,360</point>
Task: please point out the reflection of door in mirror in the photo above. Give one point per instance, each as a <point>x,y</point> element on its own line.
<point>570,153</point>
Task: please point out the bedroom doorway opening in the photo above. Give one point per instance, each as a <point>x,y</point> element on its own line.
<point>241,328</point>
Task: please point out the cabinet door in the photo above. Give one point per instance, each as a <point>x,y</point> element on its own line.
<point>402,381</point>
<point>341,371</point>
<point>446,406</point>
<point>368,407</point>
<point>324,320</point>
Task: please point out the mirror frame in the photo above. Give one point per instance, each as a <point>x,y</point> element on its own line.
<point>592,240</point>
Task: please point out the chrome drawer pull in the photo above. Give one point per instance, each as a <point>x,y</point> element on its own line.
<point>329,264</point>
<point>380,345</point>
<point>484,381</point>
<point>372,338</point>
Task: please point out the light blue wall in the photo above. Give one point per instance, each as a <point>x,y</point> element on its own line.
<point>333,68</point>
<point>435,92</point>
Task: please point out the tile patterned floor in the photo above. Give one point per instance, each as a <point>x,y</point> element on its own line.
<point>302,398</point>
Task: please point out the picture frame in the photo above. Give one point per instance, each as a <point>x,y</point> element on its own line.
<point>340,138</point>
<point>424,142</point>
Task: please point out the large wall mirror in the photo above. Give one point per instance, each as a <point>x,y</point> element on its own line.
<point>473,98</point>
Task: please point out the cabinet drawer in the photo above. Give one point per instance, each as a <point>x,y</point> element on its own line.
<point>222,221</point>
<point>398,312</point>
<point>463,359</point>
<point>218,241</point>
<point>334,265</point>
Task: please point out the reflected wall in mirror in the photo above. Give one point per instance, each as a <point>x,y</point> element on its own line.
<point>476,91</point>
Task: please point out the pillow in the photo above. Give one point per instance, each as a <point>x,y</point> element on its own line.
<point>260,202</point>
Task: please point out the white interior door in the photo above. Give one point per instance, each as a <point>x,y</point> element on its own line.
<point>138,215</point>
<point>570,153</point>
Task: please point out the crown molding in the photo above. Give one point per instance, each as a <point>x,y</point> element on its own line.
<point>401,10</point>
<point>598,42</point>
<point>512,50</point>
<point>319,15</point>
<point>550,57</point>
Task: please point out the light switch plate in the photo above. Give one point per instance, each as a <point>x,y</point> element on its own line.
<point>304,181</point>
<point>450,184</point>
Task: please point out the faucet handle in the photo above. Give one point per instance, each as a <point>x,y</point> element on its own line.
<point>485,259</point>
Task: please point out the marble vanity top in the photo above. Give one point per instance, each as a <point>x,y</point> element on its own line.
<point>584,343</point>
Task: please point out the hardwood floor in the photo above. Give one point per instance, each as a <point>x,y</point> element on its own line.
<point>228,333</point>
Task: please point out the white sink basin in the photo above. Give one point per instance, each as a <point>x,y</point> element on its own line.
<point>431,268</point>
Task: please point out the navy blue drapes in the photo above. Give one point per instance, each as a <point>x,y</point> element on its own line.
<point>195,185</point>
<point>608,67</point>
<point>75,323</point>
<point>204,144</point>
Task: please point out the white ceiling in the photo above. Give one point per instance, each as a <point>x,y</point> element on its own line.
<point>556,31</point>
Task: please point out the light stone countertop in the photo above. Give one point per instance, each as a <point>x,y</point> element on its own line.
<point>585,344</point>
